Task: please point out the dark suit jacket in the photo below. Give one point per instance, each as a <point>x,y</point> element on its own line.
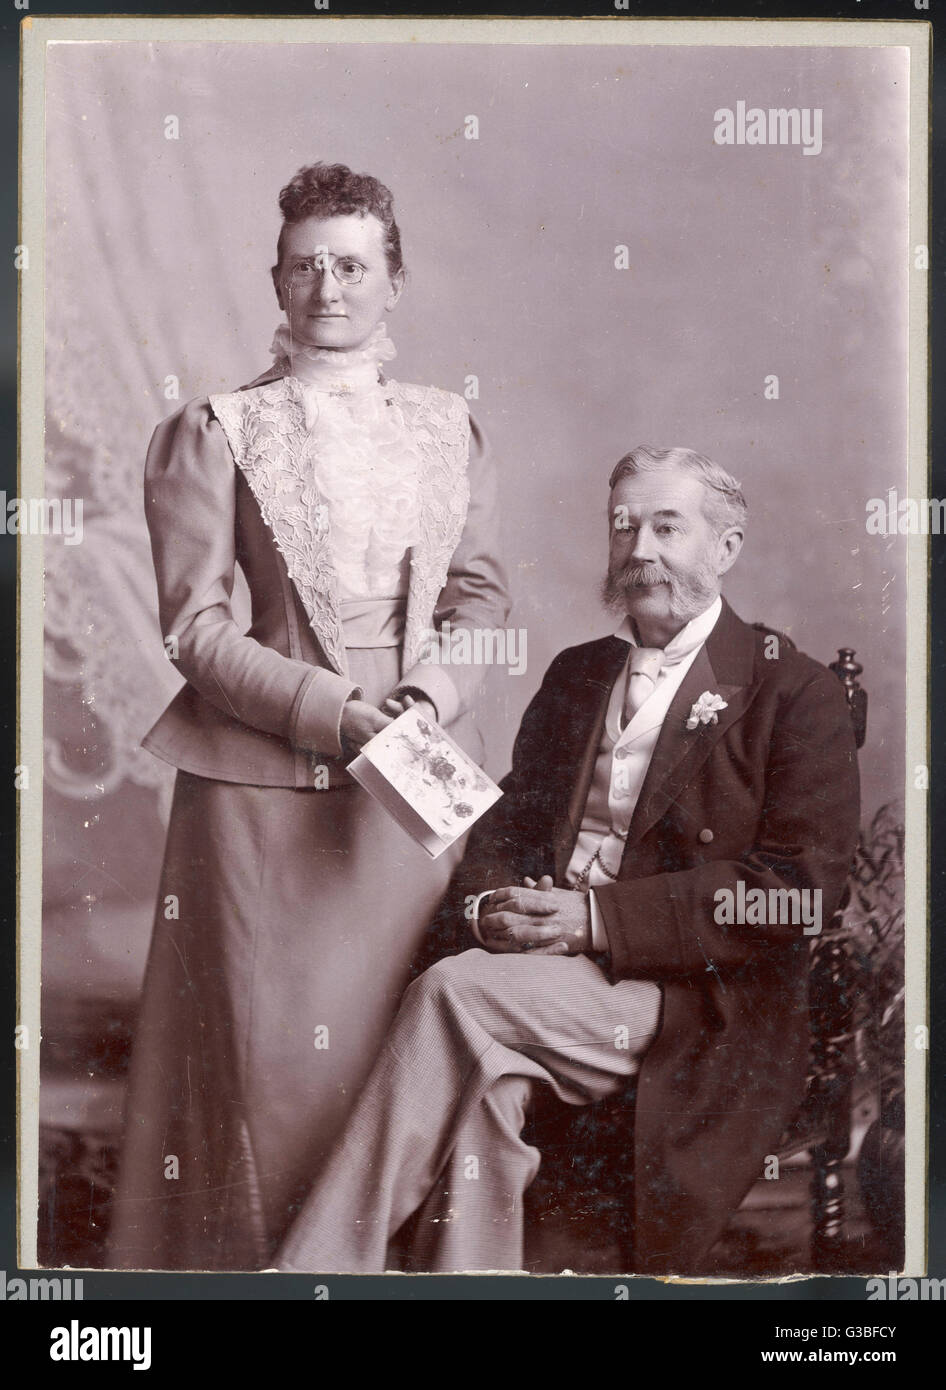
<point>768,795</point>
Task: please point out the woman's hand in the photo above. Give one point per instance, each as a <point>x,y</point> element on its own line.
<point>398,705</point>
<point>361,721</point>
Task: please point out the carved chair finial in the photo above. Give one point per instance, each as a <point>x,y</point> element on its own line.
<point>847,671</point>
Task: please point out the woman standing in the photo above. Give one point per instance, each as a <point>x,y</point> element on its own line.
<point>361,512</point>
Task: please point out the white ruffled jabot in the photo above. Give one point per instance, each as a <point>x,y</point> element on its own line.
<point>366,461</point>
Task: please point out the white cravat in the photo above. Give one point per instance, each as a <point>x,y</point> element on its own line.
<point>643,668</point>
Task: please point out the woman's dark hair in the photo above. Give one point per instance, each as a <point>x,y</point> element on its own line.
<point>332,190</point>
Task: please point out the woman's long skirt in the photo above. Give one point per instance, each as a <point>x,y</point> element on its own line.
<point>285,927</point>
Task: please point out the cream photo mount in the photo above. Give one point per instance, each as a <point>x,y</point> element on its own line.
<point>629,42</point>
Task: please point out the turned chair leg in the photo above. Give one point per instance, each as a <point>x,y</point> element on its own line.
<point>832,1051</point>
<point>833,1065</point>
<point>827,1204</point>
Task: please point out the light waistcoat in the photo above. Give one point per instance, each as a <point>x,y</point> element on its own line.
<point>624,755</point>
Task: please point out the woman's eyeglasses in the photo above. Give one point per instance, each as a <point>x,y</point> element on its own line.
<point>345,270</point>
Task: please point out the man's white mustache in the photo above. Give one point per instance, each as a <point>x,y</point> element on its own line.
<point>640,575</point>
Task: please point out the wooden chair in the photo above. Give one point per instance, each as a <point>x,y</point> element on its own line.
<point>589,1150</point>
<point>823,1127</point>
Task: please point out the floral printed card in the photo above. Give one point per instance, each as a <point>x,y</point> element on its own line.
<point>431,787</point>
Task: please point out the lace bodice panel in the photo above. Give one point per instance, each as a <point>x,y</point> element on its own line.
<point>367,468</point>
<point>359,489</point>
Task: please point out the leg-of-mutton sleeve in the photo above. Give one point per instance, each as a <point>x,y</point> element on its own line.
<point>476,594</point>
<point>190,506</point>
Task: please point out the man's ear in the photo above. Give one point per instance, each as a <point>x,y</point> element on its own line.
<point>274,272</point>
<point>397,289</point>
<point>728,545</point>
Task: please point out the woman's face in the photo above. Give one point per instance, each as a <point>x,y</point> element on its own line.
<point>318,285</point>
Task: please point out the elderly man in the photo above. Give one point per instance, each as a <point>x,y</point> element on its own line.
<point>660,778</point>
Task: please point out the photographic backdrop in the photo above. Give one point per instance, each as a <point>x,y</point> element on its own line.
<point>585,262</point>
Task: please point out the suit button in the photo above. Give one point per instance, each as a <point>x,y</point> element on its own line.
<point>705,836</point>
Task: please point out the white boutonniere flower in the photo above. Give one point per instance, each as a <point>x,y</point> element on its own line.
<point>706,710</point>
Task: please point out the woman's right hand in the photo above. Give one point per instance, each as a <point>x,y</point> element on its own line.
<point>361,721</point>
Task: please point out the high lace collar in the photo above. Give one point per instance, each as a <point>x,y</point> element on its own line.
<point>338,373</point>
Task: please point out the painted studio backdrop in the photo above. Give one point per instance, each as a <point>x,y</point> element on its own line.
<point>586,264</point>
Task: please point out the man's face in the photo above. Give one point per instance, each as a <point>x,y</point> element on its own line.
<point>323,311</point>
<point>665,560</point>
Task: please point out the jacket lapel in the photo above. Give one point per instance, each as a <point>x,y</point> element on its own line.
<point>441,427</point>
<point>724,666</point>
<point>590,711</point>
<point>266,429</point>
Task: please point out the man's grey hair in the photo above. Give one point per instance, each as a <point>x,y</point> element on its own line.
<point>725,502</point>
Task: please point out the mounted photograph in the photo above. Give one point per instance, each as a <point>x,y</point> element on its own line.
<point>473,727</point>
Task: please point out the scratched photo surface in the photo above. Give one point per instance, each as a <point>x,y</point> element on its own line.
<point>343,1057</point>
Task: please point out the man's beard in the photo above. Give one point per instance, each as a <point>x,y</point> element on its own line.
<point>690,593</point>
